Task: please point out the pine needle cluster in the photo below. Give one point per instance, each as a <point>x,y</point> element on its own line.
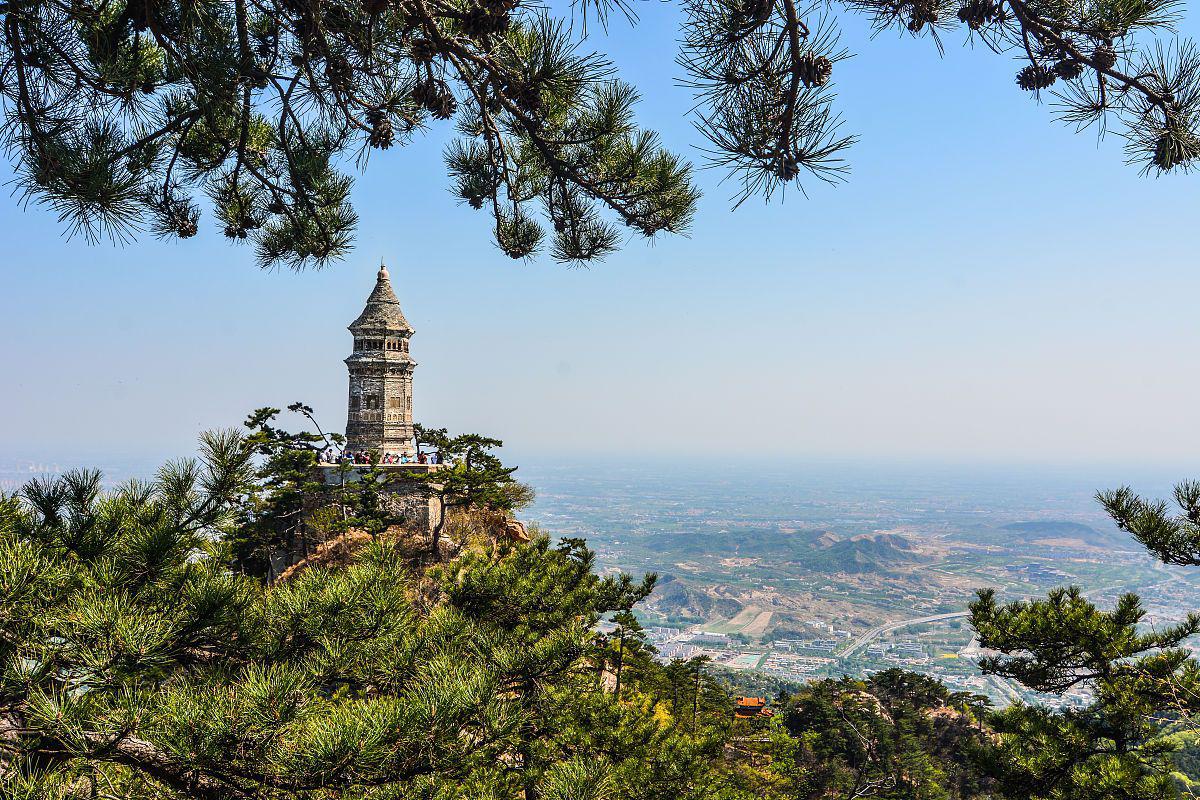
<point>123,115</point>
<point>126,116</point>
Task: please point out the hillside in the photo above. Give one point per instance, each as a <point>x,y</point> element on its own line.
<point>1062,530</point>
<point>675,600</point>
<point>884,552</point>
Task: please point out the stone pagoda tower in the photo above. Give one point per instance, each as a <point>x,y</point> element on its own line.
<point>381,370</point>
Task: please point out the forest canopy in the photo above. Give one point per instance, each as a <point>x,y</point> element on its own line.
<point>147,653</point>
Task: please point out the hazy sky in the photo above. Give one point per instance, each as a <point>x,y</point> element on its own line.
<point>989,286</point>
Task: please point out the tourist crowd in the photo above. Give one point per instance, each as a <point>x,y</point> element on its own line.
<point>331,456</point>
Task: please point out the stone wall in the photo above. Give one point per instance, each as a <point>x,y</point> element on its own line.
<point>412,503</point>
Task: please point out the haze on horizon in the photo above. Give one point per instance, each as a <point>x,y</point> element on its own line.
<point>989,286</point>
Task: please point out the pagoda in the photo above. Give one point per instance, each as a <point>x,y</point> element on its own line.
<point>379,412</point>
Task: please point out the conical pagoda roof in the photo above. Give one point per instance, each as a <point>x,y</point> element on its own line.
<point>383,309</point>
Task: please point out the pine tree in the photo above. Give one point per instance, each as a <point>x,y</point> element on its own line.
<point>127,115</point>
<point>1139,677</point>
<point>471,476</point>
<point>291,507</point>
<point>136,664</point>
<point>895,735</point>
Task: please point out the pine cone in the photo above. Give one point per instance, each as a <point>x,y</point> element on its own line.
<point>422,51</point>
<point>924,12</point>
<point>977,13</point>
<point>1164,152</point>
<point>445,107</point>
<point>1068,69</point>
<point>382,133</point>
<point>235,232</point>
<point>185,228</point>
<point>482,22</point>
<point>787,168</point>
<point>528,98</point>
<point>338,70</point>
<point>500,6</point>
<point>337,19</point>
<point>421,92</point>
<point>1104,56</point>
<point>751,13</point>
<point>436,97</point>
<point>814,69</point>
<point>1035,77</point>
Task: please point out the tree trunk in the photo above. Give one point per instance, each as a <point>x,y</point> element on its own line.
<point>620,664</point>
<point>435,533</point>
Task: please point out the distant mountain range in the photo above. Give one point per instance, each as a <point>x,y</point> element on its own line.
<point>878,552</point>
<point>1040,530</point>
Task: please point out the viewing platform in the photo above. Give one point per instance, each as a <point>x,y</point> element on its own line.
<point>385,467</point>
<point>333,474</point>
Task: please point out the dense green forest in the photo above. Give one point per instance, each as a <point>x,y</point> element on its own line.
<point>148,651</point>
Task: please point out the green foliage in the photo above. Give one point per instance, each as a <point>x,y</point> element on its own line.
<point>1173,538</point>
<point>142,657</point>
<point>291,507</point>
<point>471,476</point>
<point>133,659</point>
<point>894,735</point>
<point>127,115</point>
<point>1138,678</point>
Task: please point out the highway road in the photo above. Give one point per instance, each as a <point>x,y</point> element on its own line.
<point>862,641</point>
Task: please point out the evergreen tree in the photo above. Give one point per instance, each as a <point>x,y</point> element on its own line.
<point>135,665</point>
<point>471,476</point>
<point>122,114</point>
<point>1174,538</point>
<point>1139,678</point>
<point>291,507</point>
<point>896,735</point>
<point>628,643</point>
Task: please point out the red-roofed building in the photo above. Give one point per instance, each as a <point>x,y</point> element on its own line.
<point>750,707</point>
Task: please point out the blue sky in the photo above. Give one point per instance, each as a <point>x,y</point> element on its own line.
<point>988,287</point>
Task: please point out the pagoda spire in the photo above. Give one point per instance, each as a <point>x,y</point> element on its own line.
<point>379,415</point>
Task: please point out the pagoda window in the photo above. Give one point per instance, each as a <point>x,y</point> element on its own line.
<point>354,402</point>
